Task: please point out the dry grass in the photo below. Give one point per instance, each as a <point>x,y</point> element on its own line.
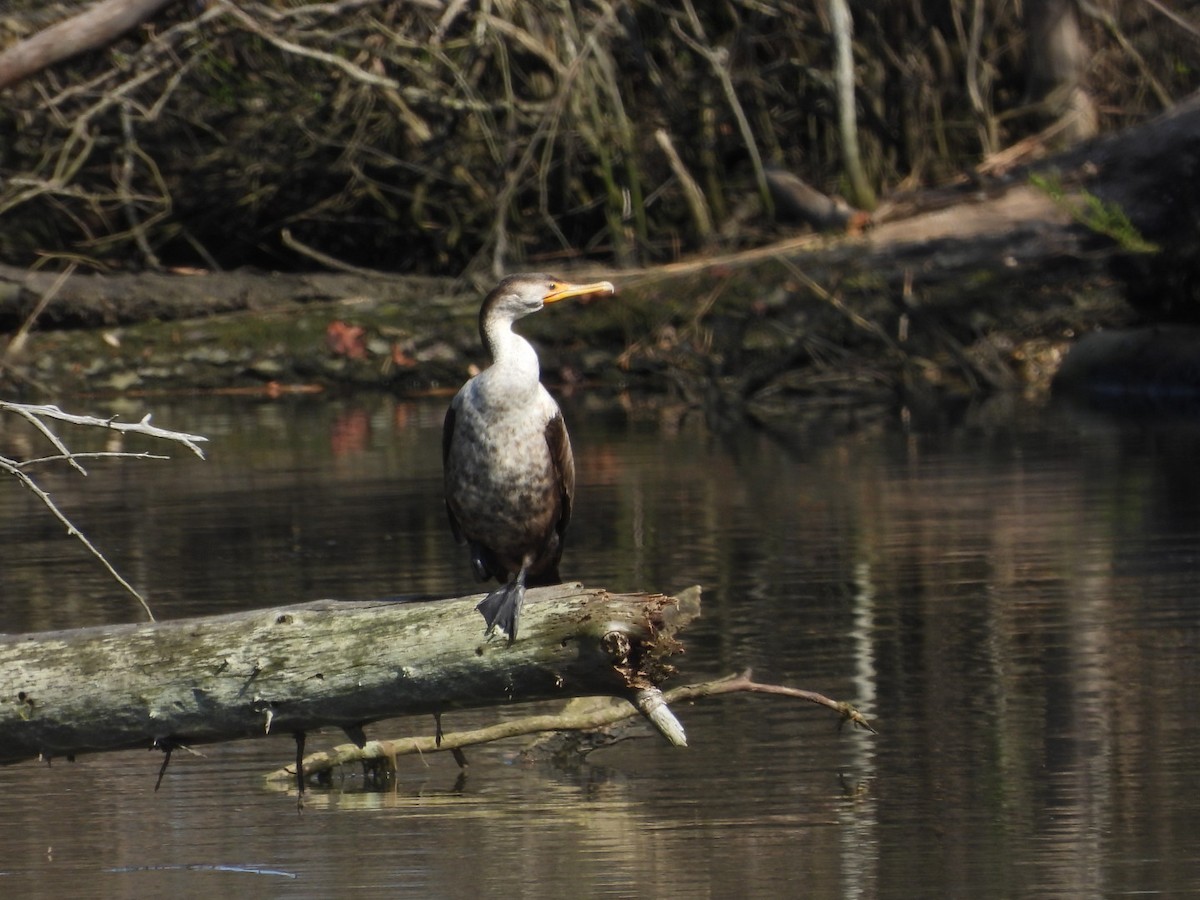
<point>450,136</point>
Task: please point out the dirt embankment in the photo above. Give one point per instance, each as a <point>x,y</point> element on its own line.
<point>963,291</point>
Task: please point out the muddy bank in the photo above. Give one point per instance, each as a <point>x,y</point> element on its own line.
<point>954,293</point>
<point>953,303</point>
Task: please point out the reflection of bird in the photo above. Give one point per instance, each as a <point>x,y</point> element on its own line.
<point>509,475</point>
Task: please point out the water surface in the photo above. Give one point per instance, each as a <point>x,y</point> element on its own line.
<point>1012,599</point>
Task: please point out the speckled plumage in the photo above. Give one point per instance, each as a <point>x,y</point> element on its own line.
<point>509,474</point>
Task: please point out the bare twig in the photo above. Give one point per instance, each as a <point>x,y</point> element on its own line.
<point>718,60</point>
<point>131,151</point>
<point>17,344</point>
<point>548,124</point>
<point>1109,21</point>
<point>89,454</point>
<point>143,427</point>
<point>14,468</point>
<point>330,262</point>
<point>356,72</point>
<point>973,63</point>
<point>691,190</point>
<point>836,302</point>
<point>36,415</point>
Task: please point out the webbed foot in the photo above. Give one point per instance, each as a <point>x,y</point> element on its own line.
<point>502,608</point>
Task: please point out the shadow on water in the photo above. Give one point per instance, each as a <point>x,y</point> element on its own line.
<point>1010,595</point>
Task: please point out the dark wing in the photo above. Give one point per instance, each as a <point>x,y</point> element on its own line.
<point>563,460</point>
<point>447,438</point>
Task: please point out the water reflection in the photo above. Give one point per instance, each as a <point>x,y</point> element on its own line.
<point>1011,599</point>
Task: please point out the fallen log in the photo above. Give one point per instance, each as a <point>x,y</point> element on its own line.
<point>293,669</point>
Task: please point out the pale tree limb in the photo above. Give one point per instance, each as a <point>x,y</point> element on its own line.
<point>587,716</point>
<point>691,190</point>
<point>96,27</point>
<point>295,669</point>
<point>35,414</point>
<point>863,195</point>
<point>142,427</point>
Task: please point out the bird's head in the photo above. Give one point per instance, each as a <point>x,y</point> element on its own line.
<point>519,295</point>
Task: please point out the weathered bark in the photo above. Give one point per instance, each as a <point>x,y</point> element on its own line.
<point>93,28</point>
<point>296,668</point>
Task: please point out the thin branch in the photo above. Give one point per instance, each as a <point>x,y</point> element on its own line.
<point>329,59</point>
<point>17,344</point>
<point>90,454</point>
<point>1175,17</point>
<point>14,469</point>
<point>587,720</point>
<point>692,193</point>
<point>34,414</point>
<point>547,125</point>
<point>718,60</point>
<point>330,262</point>
<point>143,427</point>
<point>49,435</point>
<point>96,27</point>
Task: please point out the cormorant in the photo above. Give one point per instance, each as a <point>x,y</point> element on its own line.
<point>509,475</point>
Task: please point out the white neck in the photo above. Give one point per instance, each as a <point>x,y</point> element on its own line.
<point>514,368</point>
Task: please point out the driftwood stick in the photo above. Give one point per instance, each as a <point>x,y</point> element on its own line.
<point>297,668</point>
<point>589,718</point>
<point>96,27</point>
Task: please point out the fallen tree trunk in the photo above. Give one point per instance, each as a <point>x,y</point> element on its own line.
<point>293,669</point>
<point>122,298</point>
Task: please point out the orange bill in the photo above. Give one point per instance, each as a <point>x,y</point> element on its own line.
<point>562,290</point>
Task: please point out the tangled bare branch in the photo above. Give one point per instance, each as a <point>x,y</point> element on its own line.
<point>488,134</point>
<point>36,416</point>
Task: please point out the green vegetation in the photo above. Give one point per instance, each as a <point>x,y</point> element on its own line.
<point>1090,211</point>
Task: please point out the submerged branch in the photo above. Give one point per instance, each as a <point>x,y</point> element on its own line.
<point>591,717</point>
